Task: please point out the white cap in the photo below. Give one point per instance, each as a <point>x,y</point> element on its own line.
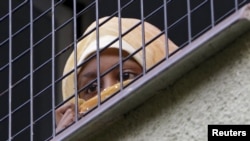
<point>104,41</point>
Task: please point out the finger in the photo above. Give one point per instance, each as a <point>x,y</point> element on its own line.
<point>66,106</point>
<point>67,119</point>
<point>68,114</point>
<point>61,111</point>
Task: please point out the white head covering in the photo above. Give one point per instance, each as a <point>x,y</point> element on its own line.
<point>103,42</point>
<point>131,42</point>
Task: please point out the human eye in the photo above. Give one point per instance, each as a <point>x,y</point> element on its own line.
<point>90,91</point>
<point>92,88</point>
<point>128,75</point>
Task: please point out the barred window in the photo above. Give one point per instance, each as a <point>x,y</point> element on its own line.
<point>69,66</point>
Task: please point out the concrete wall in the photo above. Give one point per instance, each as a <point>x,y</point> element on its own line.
<point>216,92</point>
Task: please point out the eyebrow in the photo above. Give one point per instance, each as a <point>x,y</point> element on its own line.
<point>89,75</point>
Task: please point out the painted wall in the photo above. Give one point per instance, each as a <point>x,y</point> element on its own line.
<point>216,92</point>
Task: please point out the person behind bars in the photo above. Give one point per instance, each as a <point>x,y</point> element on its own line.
<point>131,42</point>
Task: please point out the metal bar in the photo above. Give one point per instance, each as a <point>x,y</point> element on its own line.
<point>143,38</point>
<point>166,28</point>
<point>19,6</point>
<point>31,71</point>
<point>236,5</point>
<point>14,10</point>
<point>225,15</point>
<point>243,2</point>
<point>98,53</point>
<point>19,132</point>
<point>27,25</point>
<point>16,33</point>
<point>198,6</point>
<point>10,70</point>
<point>212,13</point>
<point>53,66</point>
<point>189,22</point>
<point>75,58</point>
<point>120,43</point>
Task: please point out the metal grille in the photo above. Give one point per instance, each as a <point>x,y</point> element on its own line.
<point>37,37</point>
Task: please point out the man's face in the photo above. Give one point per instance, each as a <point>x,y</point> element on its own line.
<point>108,59</point>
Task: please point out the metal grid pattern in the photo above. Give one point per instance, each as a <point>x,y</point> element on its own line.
<point>36,38</point>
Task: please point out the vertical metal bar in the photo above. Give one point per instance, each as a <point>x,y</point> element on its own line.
<point>212,13</point>
<point>166,28</point>
<point>143,38</point>
<point>31,71</point>
<point>236,5</point>
<point>98,53</point>
<point>189,21</point>
<point>53,65</point>
<point>75,58</point>
<point>10,68</point>
<point>120,44</point>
